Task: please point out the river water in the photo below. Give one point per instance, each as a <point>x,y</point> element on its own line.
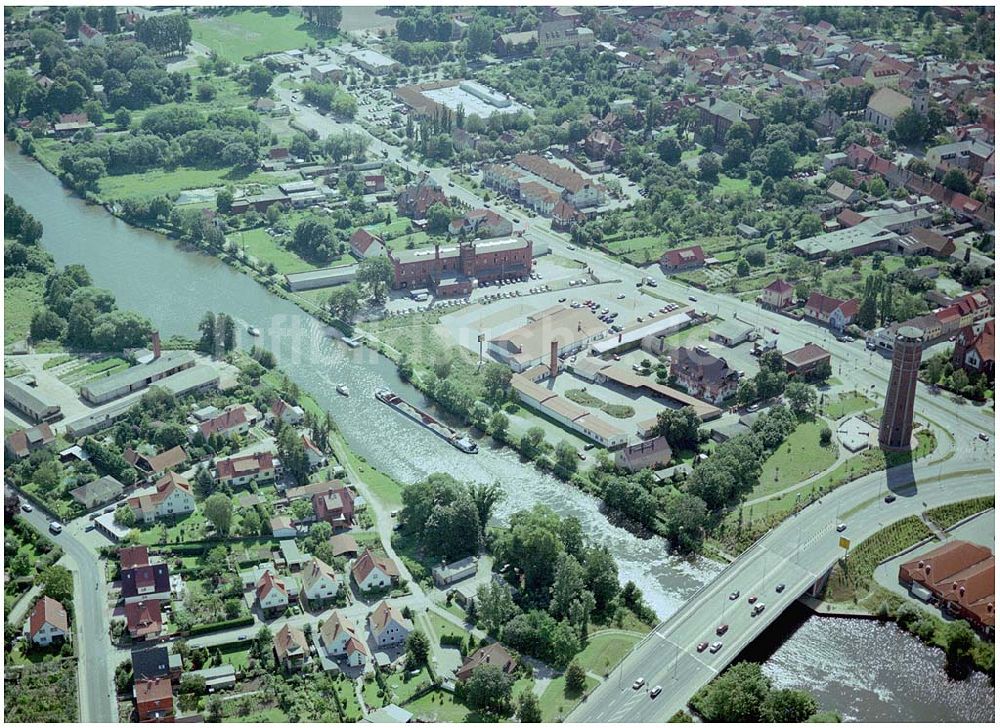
<point>866,671</point>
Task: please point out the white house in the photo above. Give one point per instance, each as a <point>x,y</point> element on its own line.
<point>48,622</point>
<point>287,413</point>
<point>388,625</point>
<point>340,639</point>
<point>316,457</point>
<point>171,495</point>
<point>374,572</point>
<point>319,581</point>
<point>272,594</point>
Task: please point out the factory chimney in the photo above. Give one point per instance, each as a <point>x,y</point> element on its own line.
<point>554,358</point>
<point>156,345</point>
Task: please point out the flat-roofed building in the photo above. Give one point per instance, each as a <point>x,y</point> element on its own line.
<point>373,61</point>
<point>138,377</point>
<point>572,329</point>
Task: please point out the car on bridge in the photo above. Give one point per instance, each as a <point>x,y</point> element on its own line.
<point>721,629</point>
<point>780,588</point>
<point>702,646</point>
<point>751,599</point>
<point>734,596</point>
<point>654,692</point>
<point>841,527</point>
<point>757,609</point>
<point>890,498</point>
<point>639,682</point>
<point>716,646</point>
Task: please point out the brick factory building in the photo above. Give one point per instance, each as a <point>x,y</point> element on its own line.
<point>457,269</point>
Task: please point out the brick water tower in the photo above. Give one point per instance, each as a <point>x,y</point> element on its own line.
<point>897,417</point>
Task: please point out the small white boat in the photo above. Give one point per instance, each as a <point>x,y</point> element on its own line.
<point>253,331</point>
<point>342,389</point>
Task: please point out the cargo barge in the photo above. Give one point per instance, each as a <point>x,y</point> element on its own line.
<point>456,439</point>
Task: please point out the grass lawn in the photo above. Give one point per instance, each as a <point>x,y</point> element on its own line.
<point>22,296</point>
<point>620,411</point>
<point>440,706</point>
<point>799,457</point>
<point>156,182</point>
<point>266,249</point>
<point>190,528</point>
<point>271,715</point>
<point>236,654</point>
<point>239,34</point>
<point>388,491</point>
<point>348,699</point>
<point>847,403</point>
<point>604,651</point>
<point>443,627</point>
<point>557,703</point>
<point>731,184</point>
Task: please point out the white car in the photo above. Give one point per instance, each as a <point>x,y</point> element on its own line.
<point>620,296</point>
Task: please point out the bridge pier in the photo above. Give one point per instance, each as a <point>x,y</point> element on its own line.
<point>817,588</point>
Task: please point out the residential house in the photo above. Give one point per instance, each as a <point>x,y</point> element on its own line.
<point>481,223</point>
<point>388,626</point>
<point>343,544</point>
<point>681,259</point>
<point>231,422</point>
<point>366,245</point>
<point>171,495</point>
<point>142,583</point>
<point>47,622</point>
<point>243,469</point>
<point>721,115</point>
<point>272,593</point>
<point>284,412</point>
<point>131,557</point>
<point>653,454</point>
<point>150,663</point>
<point>154,699</point>
<point>836,312</point>
<point>494,654</point>
<point>844,194</point>
<point>22,443</point>
<point>143,619</point>
<point>98,492</point>
<point>281,527</point>
<point>291,648</point>
<point>804,360</point>
<point>703,375</point>
<point>155,465</point>
<point>974,349</point>
<point>601,145</point>
<point>371,571</point>
<point>778,294</point>
<point>415,200</point>
<point>320,582</point>
<point>315,456</point>
<point>335,506</point>
<point>90,36</point>
<point>340,639</point>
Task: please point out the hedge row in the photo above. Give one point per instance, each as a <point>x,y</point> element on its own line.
<point>219,626</point>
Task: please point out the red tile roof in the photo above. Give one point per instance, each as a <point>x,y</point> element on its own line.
<point>368,561</point>
<point>132,556</point>
<point>779,285</point>
<point>228,420</point>
<point>244,465</point>
<point>143,618</point>
<point>683,256</point>
<point>47,611</point>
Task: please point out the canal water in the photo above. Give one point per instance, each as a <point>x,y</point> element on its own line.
<point>865,671</point>
<point>174,287</point>
<point>868,671</point>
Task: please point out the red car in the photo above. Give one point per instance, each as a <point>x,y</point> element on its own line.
<point>702,646</point>
<point>774,330</point>
<point>751,599</point>
<point>722,629</point>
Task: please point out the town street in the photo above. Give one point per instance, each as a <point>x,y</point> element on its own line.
<point>93,644</point>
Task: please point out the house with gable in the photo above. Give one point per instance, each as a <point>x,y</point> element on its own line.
<point>371,571</point>
<point>388,626</point>
<point>320,582</point>
<point>171,495</point>
<point>340,640</point>
<point>291,648</point>
<point>366,245</point>
<point>47,623</point>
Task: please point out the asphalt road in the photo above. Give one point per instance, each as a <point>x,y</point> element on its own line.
<point>795,554</point>
<point>97,700</point>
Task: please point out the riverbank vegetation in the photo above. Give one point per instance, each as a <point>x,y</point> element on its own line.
<point>744,694</point>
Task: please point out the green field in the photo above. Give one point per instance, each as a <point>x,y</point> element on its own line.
<point>239,34</point>
<point>266,249</point>
<point>557,702</point>
<point>22,297</point>
<point>155,182</point>
<point>604,651</point>
<point>847,403</point>
<point>731,184</point>
<point>439,706</point>
<point>799,457</point>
